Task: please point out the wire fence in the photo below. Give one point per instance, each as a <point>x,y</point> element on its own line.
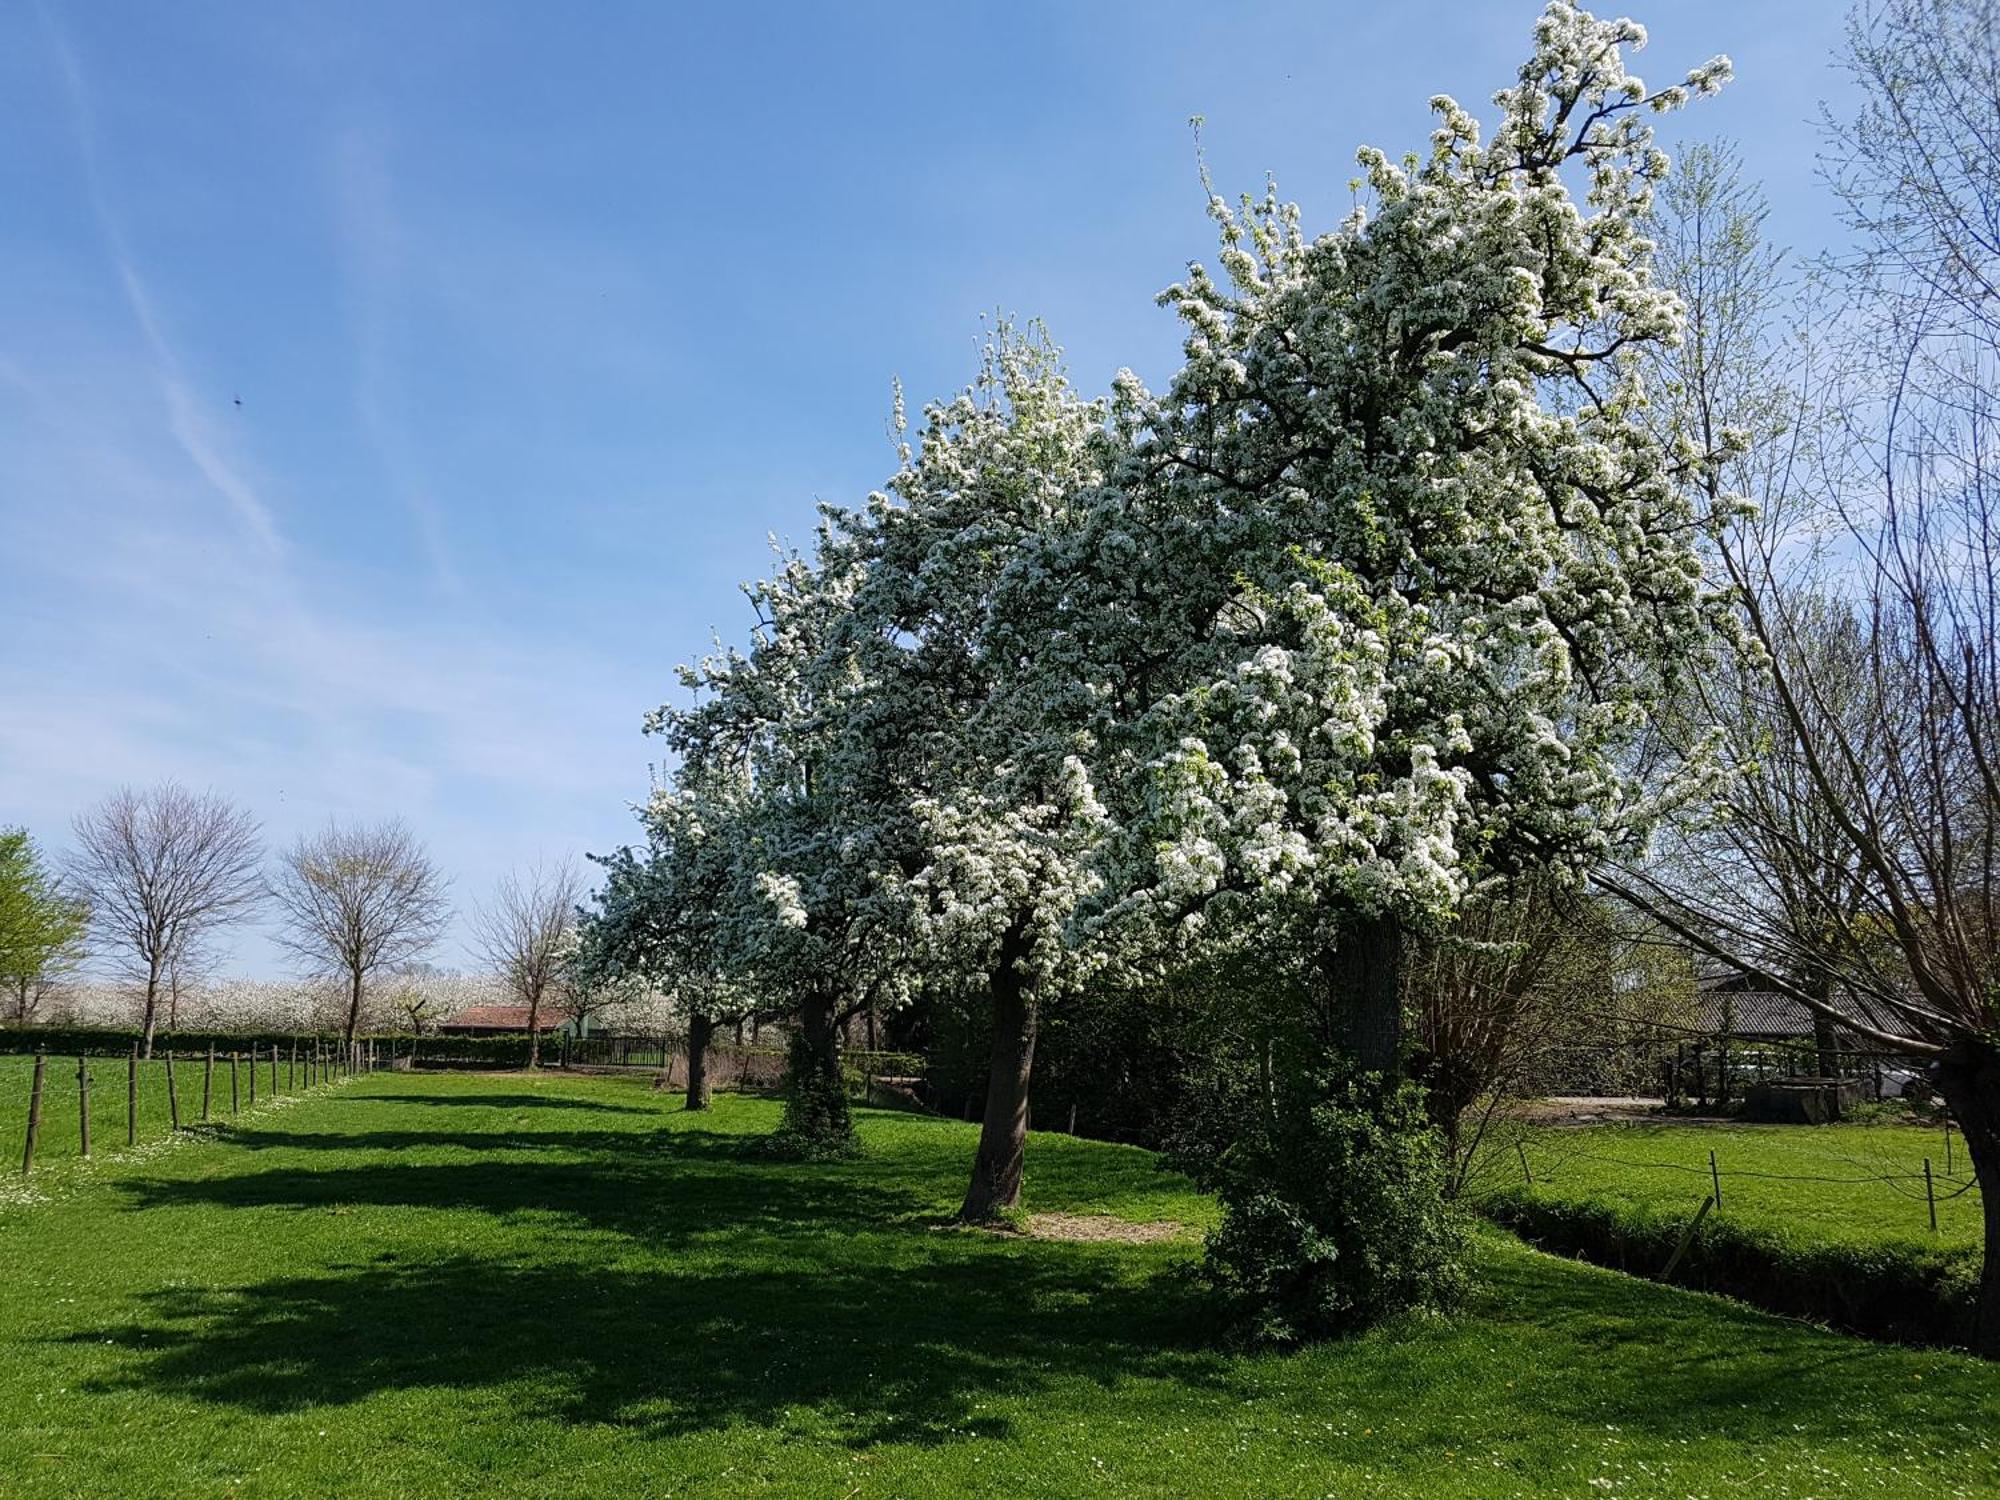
<point>74,1106</point>
<point>1931,1180</point>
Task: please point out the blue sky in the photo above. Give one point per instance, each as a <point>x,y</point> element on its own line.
<point>391,395</point>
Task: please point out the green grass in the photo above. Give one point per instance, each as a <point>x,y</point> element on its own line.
<point>441,1285</point>
<point>1809,1183</point>
<point>62,1134</point>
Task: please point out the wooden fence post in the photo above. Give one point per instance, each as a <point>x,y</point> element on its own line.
<point>253,1077</point>
<point>1930,1194</point>
<point>1072,1117</point>
<point>173,1095</point>
<point>274,1069</point>
<point>292,1068</point>
<point>1674,1260</point>
<point>208,1081</point>
<point>83,1105</point>
<point>132,1098</point>
<point>1715,1178</point>
<point>235,1102</point>
<point>34,1114</point>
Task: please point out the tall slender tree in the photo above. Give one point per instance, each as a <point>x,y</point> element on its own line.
<point>527,935</point>
<point>356,901</point>
<point>162,869</point>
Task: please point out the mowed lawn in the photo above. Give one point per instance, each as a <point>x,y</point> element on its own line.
<point>438,1285</point>
<point>1835,1184</point>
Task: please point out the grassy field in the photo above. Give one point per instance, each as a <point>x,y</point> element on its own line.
<point>420,1284</point>
<point>62,1134</point>
<point>1821,1183</point>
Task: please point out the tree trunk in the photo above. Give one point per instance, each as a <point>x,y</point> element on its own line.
<point>21,1007</point>
<point>700,1029</point>
<point>815,1093</point>
<point>152,1009</point>
<point>1362,998</point>
<point>353,1007</point>
<point>1968,1077</point>
<point>1003,1134</point>
<point>535,1030</point>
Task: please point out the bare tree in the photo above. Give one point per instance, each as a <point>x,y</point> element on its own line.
<point>1856,866</point>
<point>1529,976</point>
<point>527,934</point>
<point>162,869</point>
<point>358,900</point>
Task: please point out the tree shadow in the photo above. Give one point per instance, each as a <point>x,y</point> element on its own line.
<point>903,1357</point>
<point>493,1101</point>
<point>665,1188</point>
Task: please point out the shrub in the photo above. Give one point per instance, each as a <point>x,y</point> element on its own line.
<point>1334,1211</point>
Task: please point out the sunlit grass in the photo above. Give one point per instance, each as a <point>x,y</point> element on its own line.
<point>508,1285</point>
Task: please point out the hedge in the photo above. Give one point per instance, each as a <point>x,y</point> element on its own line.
<point>116,1041</point>
<point>1910,1295</point>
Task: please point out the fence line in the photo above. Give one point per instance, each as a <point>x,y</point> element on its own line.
<point>1927,1194</point>
<point>333,1066</point>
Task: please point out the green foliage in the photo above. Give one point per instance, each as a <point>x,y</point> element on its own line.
<point>42,929</point>
<point>817,1125</point>
<point>1334,1211</point>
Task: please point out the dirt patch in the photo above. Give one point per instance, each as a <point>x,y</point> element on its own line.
<point>1100,1227</point>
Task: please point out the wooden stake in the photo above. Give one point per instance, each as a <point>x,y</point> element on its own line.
<point>1930,1194</point>
<point>1523,1151</point>
<point>173,1095</point>
<point>34,1114</point>
<point>83,1104</point>
<point>274,1069</point>
<point>1715,1178</point>
<point>1072,1117</point>
<point>208,1081</point>
<point>132,1098</point>
<point>1674,1260</point>
<point>235,1102</point>
<point>253,1077</point>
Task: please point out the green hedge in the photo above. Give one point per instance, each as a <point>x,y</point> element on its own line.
<point>116,1041</point>
<point>1891,1292</point>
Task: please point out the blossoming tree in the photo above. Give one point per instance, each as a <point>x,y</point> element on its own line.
<point>950,705</point>
<point>1434,556</point>
<point>815,853</point>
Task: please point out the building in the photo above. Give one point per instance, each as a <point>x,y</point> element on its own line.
<point>500,1020</point>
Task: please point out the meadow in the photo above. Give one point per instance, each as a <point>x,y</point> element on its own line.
<point>509,1284</point>
<point>1858,1185</point>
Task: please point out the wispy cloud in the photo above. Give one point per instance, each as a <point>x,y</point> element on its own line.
<point>374,252</point>
<point>192,430</point>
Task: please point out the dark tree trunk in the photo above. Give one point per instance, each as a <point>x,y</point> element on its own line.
<point>151,1018</point>
<point>815,1092</point>
<point>1826,1047</point>
<point>1003,1135</point>
<point>535,1031</point>
<point>1361,995</point>
<point>700,1029</point>
<point>353,1008</point>
<point>1969,1079</point>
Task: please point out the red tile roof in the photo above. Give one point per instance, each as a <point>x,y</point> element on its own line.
<point>497,1018</point>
